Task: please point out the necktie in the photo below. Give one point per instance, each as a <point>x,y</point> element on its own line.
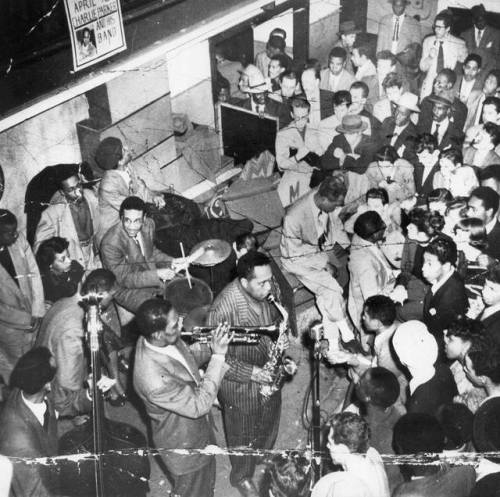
<point>478,37</point>
<point>324,222</point>
<point>440,59</point>
<point>46,417</point>
<point>136,240</point>
<point>436,133</point>
<point>395,35</point>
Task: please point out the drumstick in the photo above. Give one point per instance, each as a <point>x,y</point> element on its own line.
<point>188,276</point>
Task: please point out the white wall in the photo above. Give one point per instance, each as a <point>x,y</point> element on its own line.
<point>491,5</point>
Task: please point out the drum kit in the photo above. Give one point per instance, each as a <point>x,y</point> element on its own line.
<point>189,293</point>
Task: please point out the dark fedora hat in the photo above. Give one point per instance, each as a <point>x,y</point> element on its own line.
<point>348,27</point>
<point>445,99</point>
<point>352,123</point>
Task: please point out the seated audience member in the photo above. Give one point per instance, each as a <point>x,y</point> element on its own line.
<point>490,176</point>
<point>418,433</point>
<point>28,425</point>
<point>446,298</point>
<point>482,153</point>
<point>347,37</point>
<point>378,391</point>
<point>425,163</point>
<point>399,131</point>
<point>119,182</point>
<point>477,100</point>
<point>398,29</point>
<point>470,81</point>
<point>21,299</point>
<point>366,71</point>
<point>483,204</point>
<point>310,85</point>
<point>456,421</point>
<point>457,178</point>
<point>431,383</point>
<point>327,129</point>
<point>359,94</point>
<point>369,270</point>
<point>275,45</point>
<point>482,39</point>
<point>490,293</point>
<point>336,77</point>
<point>470,237</point>
<point>490,114</point>
<point>278,64</point>
<point>443,87</point>
<point>61,276</point>
<point>296,154</point>
<point>287,475</point>
<point>128,251</point>
<point>386,106</point>
<point>456,210</point>
<point>62,332</point>
<point>350,150</point>
<point>349,445</point>
<point>458,337</point>
<point>312,244</point>
<point>72,214</point>
<point>440,51</point>
<point>438,200</point>
<point>392,173</point>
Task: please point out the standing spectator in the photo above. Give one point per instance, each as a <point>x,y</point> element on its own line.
<point>477,100</point>
<point>470,82</point>
<point>392,89</point>
<point>336,77</point>
<point>439,51</point>
<point>398,30</point>
<point>21,295</point>
<point>347,37</point>
<point>366,72</point>
<point>275,45</point>
<point>327,129</point>
<point>483,39</point>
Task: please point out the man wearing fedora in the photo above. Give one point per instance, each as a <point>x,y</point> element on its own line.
<point>443,86</point>
<point>347,37</point>
<point>336,77</point>
<point>446,132</point>
<point>398,130</point>
<point>351,149</point>
<point>398,30</point>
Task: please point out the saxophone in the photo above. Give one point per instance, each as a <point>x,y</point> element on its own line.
<point>279,366</point>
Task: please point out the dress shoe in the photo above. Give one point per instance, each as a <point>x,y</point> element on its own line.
<point>247,488</point>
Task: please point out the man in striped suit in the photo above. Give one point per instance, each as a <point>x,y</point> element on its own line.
<point>249,419</point>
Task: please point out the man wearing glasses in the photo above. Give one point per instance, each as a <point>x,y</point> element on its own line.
<point>440,51</point>
<point>72,214</point>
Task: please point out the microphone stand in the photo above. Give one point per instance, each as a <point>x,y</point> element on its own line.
<point>316,463</point>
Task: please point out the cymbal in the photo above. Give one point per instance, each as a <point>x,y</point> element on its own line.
<point>214,252</point>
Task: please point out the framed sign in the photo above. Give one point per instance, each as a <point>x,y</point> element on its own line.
<point>96,30</point>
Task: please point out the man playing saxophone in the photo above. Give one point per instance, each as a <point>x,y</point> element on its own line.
<point>250,418</point>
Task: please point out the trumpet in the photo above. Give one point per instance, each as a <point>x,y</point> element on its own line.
<point>241,335</point>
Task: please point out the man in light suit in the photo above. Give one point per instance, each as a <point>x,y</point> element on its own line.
<point>297,148</point>
<point>336,77</point>
<point>397,30</point>
<point>177,400</point>
<point>312,245</point>
<point>128,251</point>
<point>482,39</point>
<point>471,81</point>
<point>72,214</point>
<point>439,51</point>
<point>476,104</point>
<point>21,294</point>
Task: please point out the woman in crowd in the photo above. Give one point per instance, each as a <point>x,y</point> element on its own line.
<point>459,179</point>
<point>425,163</point>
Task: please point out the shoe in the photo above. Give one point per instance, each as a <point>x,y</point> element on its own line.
<point>247,488</point>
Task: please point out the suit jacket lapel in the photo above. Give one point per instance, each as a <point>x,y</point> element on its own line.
<point>23,291</point>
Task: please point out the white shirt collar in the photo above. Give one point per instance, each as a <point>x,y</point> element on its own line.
<point>489,311</point>
<point>419,377</point>
<point>489,227</point>
<point>436,286</point>
<point>37,408</point>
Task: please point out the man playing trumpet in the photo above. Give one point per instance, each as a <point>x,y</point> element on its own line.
<point>250,419</point>
<point>176,398</point>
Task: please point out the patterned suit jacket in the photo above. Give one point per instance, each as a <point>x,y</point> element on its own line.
<point>409,32</point>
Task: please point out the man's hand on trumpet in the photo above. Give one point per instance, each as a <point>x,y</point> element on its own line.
<point>221,339</point>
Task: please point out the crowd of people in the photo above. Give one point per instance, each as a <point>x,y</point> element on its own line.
<point>392,193</point>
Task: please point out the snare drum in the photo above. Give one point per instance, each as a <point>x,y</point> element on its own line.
<point>185,299</point>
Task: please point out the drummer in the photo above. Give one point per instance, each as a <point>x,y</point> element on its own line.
<point>243,244</point>
<point>128,251</point>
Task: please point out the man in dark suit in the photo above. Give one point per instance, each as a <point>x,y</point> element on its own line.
<point>128,251</point>
<point>177,400</point>
<point>425,160</point>
<point>442,87</point>
<point>28,425</point>
<point>397,131</point>
<point>483,204</point>
<point>249,418</point>
<point>446,131</point>
<point>482,39</point>
<point>471,81</point>
<point>446,298</point>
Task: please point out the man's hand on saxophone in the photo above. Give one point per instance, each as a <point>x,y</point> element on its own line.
<point>261,376</point>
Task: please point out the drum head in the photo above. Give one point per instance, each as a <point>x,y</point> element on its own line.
<point>185,299</point>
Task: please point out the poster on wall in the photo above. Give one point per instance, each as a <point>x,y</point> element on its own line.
<point>96,30</point>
